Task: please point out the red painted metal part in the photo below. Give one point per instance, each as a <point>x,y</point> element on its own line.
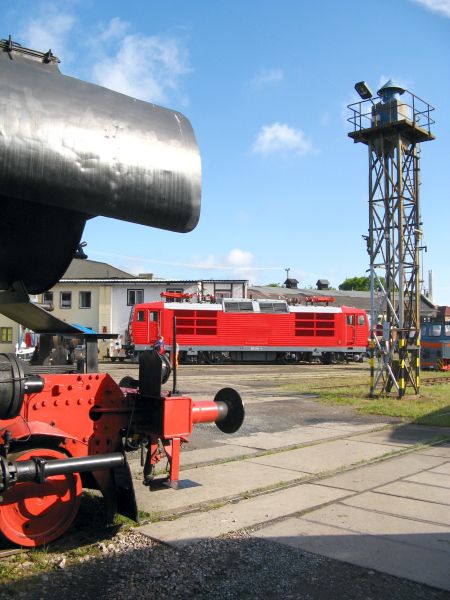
<point>84,415</point>
<point>207,327</point>
<point>205,411</point>
<point>33,514</point>
<point>320,299</point>
<point>71,407</point>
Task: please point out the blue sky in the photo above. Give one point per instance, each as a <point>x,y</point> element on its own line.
<point>265,85</point>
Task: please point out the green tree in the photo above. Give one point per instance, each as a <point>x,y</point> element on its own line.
<point>359,284</point>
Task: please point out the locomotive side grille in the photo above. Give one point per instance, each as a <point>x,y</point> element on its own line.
<point>238,306</point>
<point>315,324</point>
<point>273,307</point>
<point>196,322</point>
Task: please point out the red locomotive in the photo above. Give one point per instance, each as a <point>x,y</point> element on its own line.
<point>247,330</point>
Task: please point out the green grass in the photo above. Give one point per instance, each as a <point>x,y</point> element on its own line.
<point>431,407</point>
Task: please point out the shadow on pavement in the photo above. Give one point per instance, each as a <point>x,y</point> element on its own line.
<point>233,569</point>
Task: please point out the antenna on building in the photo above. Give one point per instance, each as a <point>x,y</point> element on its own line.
<point>392,125</point>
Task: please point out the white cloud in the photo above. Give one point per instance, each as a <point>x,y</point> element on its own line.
<point>438,6</point>
<point>148,67</point>
<point>279,137</point>
<point>145,67</point>
<point>239,258</point>
<point>267,76</point>
<point>115,29</point>
<point>50,30</point>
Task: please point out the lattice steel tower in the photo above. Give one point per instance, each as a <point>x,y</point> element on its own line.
<point>392,128</point>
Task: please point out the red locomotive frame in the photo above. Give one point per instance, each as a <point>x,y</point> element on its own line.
<point>250,330</point>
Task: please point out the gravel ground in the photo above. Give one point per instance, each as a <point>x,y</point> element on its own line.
<point>130,565</point>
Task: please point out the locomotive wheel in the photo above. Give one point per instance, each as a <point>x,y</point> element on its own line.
<point>32,514</point>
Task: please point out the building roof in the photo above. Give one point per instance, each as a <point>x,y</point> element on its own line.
<point>343,297</point>
<point>91,269</point>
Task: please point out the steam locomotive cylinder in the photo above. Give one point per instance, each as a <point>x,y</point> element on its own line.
<point>71,150</point>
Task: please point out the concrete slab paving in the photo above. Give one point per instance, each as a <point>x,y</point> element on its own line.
<point>433,536</point>
<point>374,552</point>
<point>418,491</point>
<point>428,478</point>
<point>222,452</point>
<point>402,507</point>
<point>349,426</point>
<point>441,450</point>
<point>198,456</point>
<point>406,435</point>
<point>323,457</point>
<point>192,528</point>
<point>372,476</point>
<point>212,483</point>
<point>443,468</point>
<point>289,437</point>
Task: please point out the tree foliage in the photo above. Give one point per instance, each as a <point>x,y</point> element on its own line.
<point>359,284</point>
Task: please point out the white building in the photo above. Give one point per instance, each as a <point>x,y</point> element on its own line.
<point>99,296</point>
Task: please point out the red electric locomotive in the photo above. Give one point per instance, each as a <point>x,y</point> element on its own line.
<point>249,330</point>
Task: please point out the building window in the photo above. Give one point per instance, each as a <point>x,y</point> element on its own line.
<point>65,300</point>
<point>135,297</point>
<point>6,334</point>
<point>223,290</point>
<point>47,297</point>
<point>85,299</point>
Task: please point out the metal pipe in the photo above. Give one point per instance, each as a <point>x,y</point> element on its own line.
<point>208,411</point>
<point>37,469</point>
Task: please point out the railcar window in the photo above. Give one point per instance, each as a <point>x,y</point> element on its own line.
<point>153,316</point>
<point>350,319</point>
<point>434,330</point>
<point>361,320</point>
<point>447,330</point>
<point>140,316</point>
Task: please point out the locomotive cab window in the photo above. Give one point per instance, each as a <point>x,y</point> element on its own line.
<point>140,316</point>
<point>434,330</point>
<point>153,316</point>
<point>361,320</point>
<point>350,319</point>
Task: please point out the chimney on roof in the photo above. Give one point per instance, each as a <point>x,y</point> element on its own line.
<point>323,284</point>
<point>145,275</point>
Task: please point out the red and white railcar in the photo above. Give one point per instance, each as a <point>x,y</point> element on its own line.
<point>248,330</point>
